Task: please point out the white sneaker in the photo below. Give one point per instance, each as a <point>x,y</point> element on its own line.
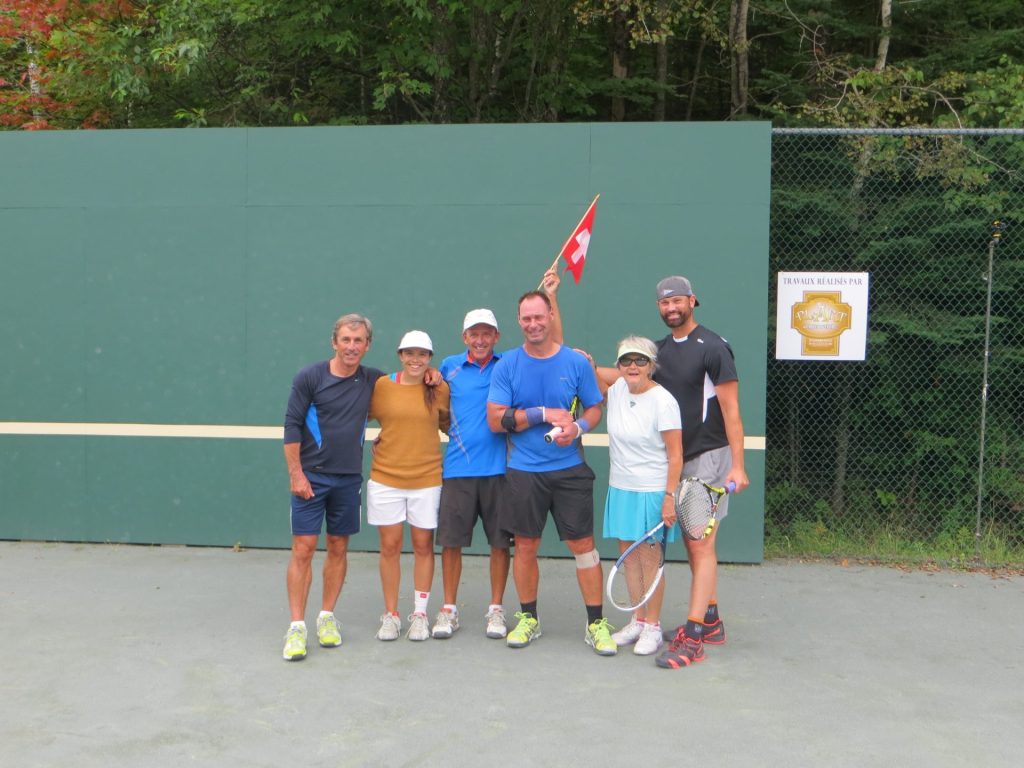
<point>445,624</point>
<point>419,627</point>
<point>650,640</point>
<point>496,627</point>
<point>629,633</point>
<point>390,627</point>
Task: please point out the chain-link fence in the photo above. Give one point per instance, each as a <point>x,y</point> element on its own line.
<point>882,458</point>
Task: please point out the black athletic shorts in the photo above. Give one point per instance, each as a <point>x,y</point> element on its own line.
<point>567,493</point>
<point>463,500</point>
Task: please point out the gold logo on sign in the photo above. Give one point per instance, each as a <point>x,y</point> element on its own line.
<point>820,319</point>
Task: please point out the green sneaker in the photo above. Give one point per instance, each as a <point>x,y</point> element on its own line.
<point>599,638</point>
<point>295,644</point>
<point>525,632</point>
<point>327,631</point>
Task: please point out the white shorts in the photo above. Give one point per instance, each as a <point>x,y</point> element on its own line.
<point>386,505</point>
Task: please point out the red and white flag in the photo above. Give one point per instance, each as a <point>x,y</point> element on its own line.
<point>575,249</point>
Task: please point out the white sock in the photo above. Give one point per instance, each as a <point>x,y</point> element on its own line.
<point>420,601</point>
<point>495,607</point>
<point>451,608</point>
<point>298,625</point>
<point>325,613</point>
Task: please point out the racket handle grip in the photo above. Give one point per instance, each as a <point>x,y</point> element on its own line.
<point>730,487</point>
<point>550,435</point>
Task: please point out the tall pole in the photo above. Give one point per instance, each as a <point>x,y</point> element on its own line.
<point>997,234</point>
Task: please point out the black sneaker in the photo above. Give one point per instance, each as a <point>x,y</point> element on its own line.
<point>681,652</point>
<point>714,633</point>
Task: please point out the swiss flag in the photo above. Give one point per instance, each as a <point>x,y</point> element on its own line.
<point>575,249</point>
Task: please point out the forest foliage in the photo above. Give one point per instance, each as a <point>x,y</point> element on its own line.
<point>164,63</point>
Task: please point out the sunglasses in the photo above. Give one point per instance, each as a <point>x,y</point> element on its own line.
<point>640,362</point>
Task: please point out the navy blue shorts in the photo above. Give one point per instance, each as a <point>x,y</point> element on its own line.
<point>336,497</point>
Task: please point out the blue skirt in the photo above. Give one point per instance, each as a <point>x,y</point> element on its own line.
<point>628,515</point>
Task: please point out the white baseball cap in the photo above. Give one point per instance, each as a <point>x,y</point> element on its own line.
<point>417,340</point>
<point>477,316</point>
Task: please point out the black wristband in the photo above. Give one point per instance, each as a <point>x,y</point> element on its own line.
<point>508,420</point>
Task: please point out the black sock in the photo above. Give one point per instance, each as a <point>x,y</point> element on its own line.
<point>693,629</point>
<point>594,613</point>
<point>711,615</point>
<point>530,608</point>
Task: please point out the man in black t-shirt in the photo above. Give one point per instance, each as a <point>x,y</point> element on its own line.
<point>696,365</point>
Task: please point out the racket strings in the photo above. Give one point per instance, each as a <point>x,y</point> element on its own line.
<point>638,573</point>
<point>694,509</point>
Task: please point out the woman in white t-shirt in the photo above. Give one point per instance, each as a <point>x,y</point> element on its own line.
<point>645,439</point>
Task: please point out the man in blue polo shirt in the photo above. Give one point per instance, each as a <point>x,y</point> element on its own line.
<point>474,467</point>
<point>473,472</point>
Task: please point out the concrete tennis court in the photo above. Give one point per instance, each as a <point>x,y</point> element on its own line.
<point>120,655</point>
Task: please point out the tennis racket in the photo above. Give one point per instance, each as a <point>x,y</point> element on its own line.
<point>575,408</point>
<point>697,506</point>
<point>635,575</point>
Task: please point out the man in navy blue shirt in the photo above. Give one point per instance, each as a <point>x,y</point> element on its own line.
<point>324,429</point>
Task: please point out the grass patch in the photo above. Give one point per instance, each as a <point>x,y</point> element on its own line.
<point>815,539</point>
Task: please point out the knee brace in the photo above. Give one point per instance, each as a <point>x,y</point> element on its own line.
<point>587,560</point>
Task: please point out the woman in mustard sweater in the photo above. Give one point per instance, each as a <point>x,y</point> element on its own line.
<point>405,479</point>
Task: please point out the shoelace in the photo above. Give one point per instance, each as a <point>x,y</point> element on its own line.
<point>602,629</point>
<point>522,626</point>
<point>680,641</point>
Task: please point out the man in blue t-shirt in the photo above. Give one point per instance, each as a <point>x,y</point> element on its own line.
<point>474,467</point>
<point>536,390</point>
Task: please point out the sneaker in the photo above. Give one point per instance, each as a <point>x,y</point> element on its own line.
<point>649,641</point>
<point>629,633</point>
<point>445,625</point>
<point>714,633</point>
<point>419,627</point>
<point>390,627</point>
<point>525,632</point>
<point>295,644</point>
<point>496,628</point>
<point>599,638</point>
<point>681,652</point>
<point>328,632</point>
